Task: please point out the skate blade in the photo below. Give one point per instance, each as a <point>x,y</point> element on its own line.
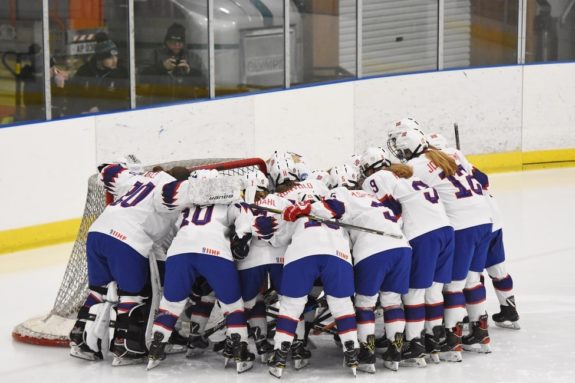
<point>478,347</point>
<point>175,349</point>
<point>118,362</point>
<point>434,358</point>
<point>243,366</point>
<point>508,324</point>
<point>451,356</point>
<point>77,353</point>
<point>393,366</point>
<point>276,371</point>
<point>369,368</point>
<point>413,362</point>
<point>354,371</point>
<point>192,353</point>
<point>226,362</point>
<point>298,364</point>
<point>152,363</point>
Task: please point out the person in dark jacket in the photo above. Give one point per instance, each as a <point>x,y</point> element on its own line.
<point>175,73</point>
<point>101,84</point>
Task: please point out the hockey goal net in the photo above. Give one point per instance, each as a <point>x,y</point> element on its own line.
<point>53,328</point>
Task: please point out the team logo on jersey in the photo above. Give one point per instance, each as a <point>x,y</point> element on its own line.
<point>342,255</point>
<point>207,250</point>
<point>117,234</point>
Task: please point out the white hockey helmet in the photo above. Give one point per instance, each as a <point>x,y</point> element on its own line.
<point>399,127</point>
<point>437,140</point>
<point>282,168</point>
<point>345,175</point>
<point>202,174</point>
<point>409,144</point>
<point>322,176</point>
<point>374,158</point>
<point>257,180</point>
<point>355,161</point>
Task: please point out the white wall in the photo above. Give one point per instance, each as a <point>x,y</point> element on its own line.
<point>44,167</point>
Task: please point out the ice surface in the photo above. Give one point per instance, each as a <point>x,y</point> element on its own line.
<point>538,209</point>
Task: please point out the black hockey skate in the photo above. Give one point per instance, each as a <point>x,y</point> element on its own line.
<point>413,354</point>
<point>392,356</point>
<point>366,357</point>
<point>350,356</point>
<point>157,350</point>
<point>197,343</point>
<point>435,343</point>
<point>452,350</point>
<point>381,344</point>
<point>263,347</point>
<point>228,351</point>
<point>176,343</point>
<point>278,361</point>
<point>508,316</point>
<point>300,354</point>
<point>244,358</point>
<point>123,356</point>
<point>478,339</point>
<point>78,348</point>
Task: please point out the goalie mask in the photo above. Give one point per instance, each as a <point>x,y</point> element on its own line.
<point>282,168</point>
<point>345,175</point>
<point>409,144</point>
<point>437,140</point>
<point>373,159</point>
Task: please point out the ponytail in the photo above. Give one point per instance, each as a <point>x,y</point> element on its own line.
<point>401,170</point>
<point>443,161</point>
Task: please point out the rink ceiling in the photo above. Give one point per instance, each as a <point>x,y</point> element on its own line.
<point>537,208</point>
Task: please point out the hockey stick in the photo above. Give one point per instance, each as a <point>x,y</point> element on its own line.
<point>156,296</point>
<point>332,222</point>
<point>456,129</point>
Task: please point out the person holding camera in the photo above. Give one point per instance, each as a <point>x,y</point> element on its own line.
<point>176,73</point>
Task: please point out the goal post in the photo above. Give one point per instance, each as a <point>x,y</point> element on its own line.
<point>52,329</point>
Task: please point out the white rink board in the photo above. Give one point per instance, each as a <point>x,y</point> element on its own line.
<point>498,110</point>
<point>44,170</point>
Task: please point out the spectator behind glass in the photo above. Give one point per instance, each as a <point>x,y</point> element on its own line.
<point>176,73</point>
<point>100,84</point>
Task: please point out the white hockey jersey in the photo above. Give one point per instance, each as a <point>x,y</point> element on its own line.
<point>363,209</point>
<point>136,216</point>
<point>421,209</point>
<point>261,251</point>
<point>461,194</point>
<point>206,230</point>
<point>305,187</point>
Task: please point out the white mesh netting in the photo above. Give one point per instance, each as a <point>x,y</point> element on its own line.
<point>53,329</point>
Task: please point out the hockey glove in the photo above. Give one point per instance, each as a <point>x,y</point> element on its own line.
<point>292,213</point>
<point>240,246</point>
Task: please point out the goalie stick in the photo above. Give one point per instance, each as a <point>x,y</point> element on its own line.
<point>333,222</point>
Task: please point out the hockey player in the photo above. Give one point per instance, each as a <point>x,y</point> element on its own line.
<point>202,247</point>
<point>117,247</point>
<point>470,217</point>
<point>262,260</point>
<point>495,262</point>
<point>430,235</point>
<point>381,268</point>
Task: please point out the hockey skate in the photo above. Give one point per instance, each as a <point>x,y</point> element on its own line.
<point>508,316</point>
<point>350,356</point>
<point>435,343</point>
<point>299,354</point>
<point>263,347</point>
<point>478,339</point>
<point>381,344</point>
<point>413,354</point>
<point>126,357</point>
<point>79,349</point>
<point>278,361</point>
<point>157,351</point>
<point>197,344</point>
<point>244,358</point>
<point>392,356</point>
<point>366,357</point>
<point>228,351</point>
<point>452,351</point>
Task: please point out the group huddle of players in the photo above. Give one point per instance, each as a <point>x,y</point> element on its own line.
<point>409,229</point>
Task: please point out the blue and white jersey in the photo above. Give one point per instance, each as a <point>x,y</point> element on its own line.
<point>206,230</point>
<point>136,216</point>
<point>264,226</point>
<point>412,199</point>
<point>461,195</point>
<point>363,209</point>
